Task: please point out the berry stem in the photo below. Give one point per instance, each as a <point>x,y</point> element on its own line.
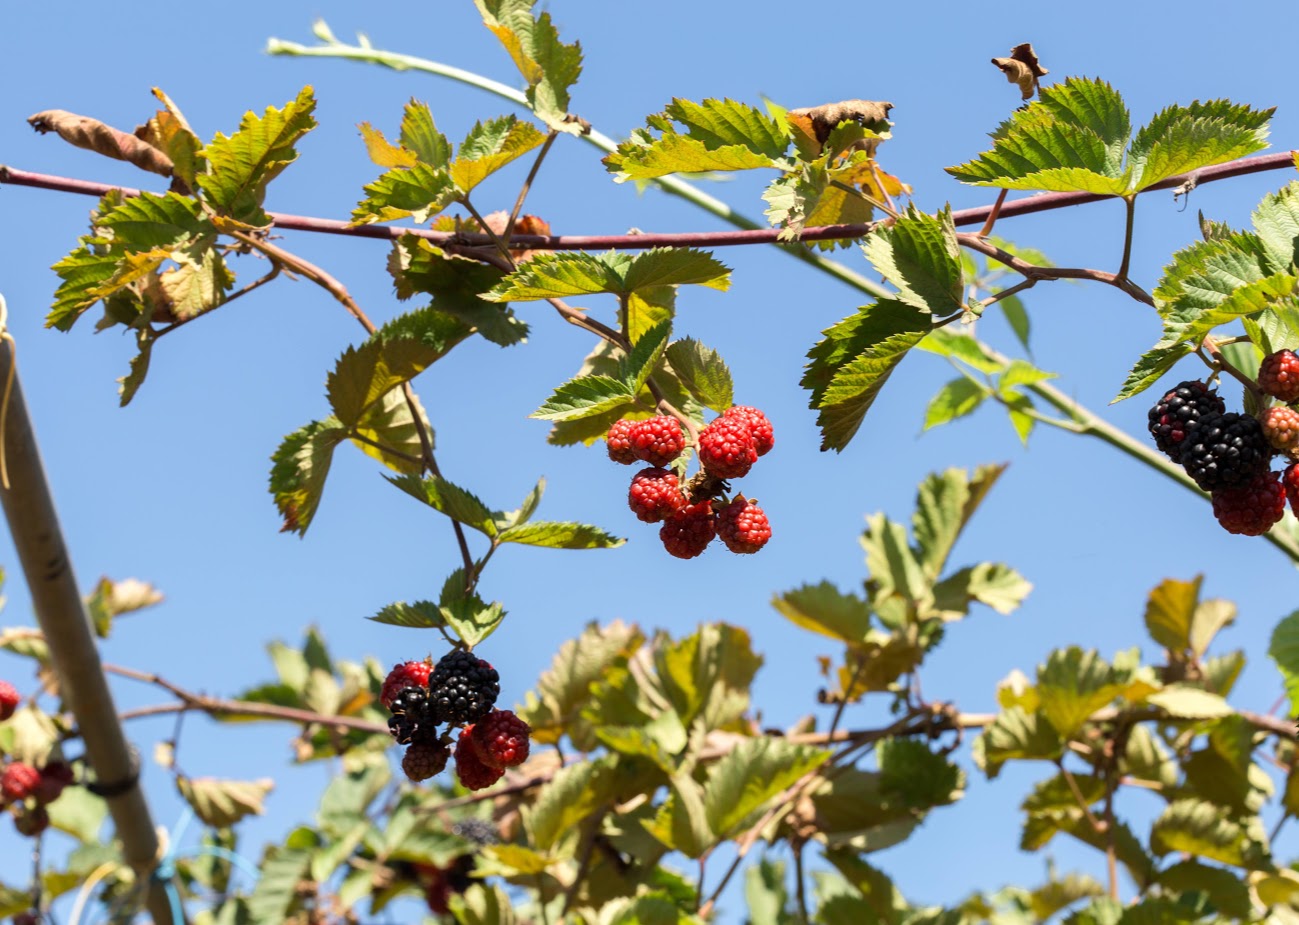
<point>1219,361</point>
<point>993,214</point>
<point>1131,204</point>
<point>527,183</point>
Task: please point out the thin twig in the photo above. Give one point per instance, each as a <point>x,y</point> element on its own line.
<point>993,214</point>
<point>527,183</point>
<point>1130,203</point>
<point>1036,272</point>
<point>239,293</point>
<point>800,882</point>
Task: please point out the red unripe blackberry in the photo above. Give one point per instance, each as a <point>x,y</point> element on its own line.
<point>8,700</point>
<point>1278,375</point>
<point>618,442</point>
<point>54,777</point>
<point>763,436</point>
<point>31,821</point>
<point>1225,451</point>
<point>462,688</point>
<point>657,440</point>
<point>424,760</point>
<point>27,918</point>
<point>402,676</point>
<point>727,449</point>
<point>1253,509</point>
<point>743,526</point>
<point>501,739</point>
<point>687,534</point>
<point>1290,481</point>
<point>655,494</point>
<point>1281,427</point>
<point>470,769</point>
<point>19,781</point>
<point>1181,406</point>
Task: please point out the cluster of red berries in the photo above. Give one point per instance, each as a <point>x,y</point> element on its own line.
<point>24,788</point>
<point>694,512</point>
<point>459,691</point>
<point>1229,454</point>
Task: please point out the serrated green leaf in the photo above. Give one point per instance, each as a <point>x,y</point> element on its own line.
<point>1190,325</point>
<point>991,584</point>
<point>488,147</point>
<point>299,468</point>
<point>1151,367</point>
<point>560,535</point>
<point>80,813</point>
<point>83,272</point>
<point>703,372</point>
<point>920,256</point>
<point>169,132</point>
<point>1276,221</point>
<point>791,199</point>
<point>647,350</point>
<point>765,895</point>
<point>915,776</point>
<point>148,220</point>
<point>1204,830</point>
<point>1169,611</point>
<point>1016,734</point>
<point>382,152</point>
<point>222,803</point>
<point>419,192</point>
<point>854,359</point>
<point>240,166</point>
<point>647,308</point>
<point>1021,373</point>
<point>420,614</point>
<point>277,887</point>
<point>129,384</point>
<point>823,608</point>
<point>548,65</point>
<point>585,397</point>
<point>956,399</point>
<point>1072,138</point>
<point>570,796</point>
<point>945,502</point>
<point>457,285</point>
<point>1205,273</point>
<point>420,135</point>
<point>449,499</point>
<point>1181,139</point>
<point>720,135</point>
<point>753,773</point>
<point>1210,618</point>
<point>1072,685</point>
<point>470,617</point>
<point>1185,702</point>
<point>390,423</point>
<point>565,687</point>
<point>1284,651</point>
<point>560,274</point>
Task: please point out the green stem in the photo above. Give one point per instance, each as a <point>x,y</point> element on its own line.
<point>671,185</point>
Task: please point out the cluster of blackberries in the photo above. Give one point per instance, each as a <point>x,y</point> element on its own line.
<point>1229,454</point>
<point>694,512</point>
<point>460,692</point>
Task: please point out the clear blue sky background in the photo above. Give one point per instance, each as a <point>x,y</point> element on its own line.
<point>173,489</point>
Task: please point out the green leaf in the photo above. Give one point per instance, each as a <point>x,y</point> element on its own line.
<point>1017,317</point>
<point>958,398</point>
<point>390,423</point>
<point>1276,220</point>
<point>852,363</point>
<point>752,774</point>
<point>83,274</point>
<point>548,65</point>
<point>456,284</point>
<point>148,220</point>
<point>1203,830</point>
<point>1229,895</point>
<point>945,502</point>
<point>1210,618</point>
<point>277,887</point>
<point>1185,702</point>
<point>915,776</point>
<point>920,256</point>
<point>1016,734</point>
<point>561,274</point>
<point>647,308</point>
<point>470,617</point>
<point>991,584</point>
<point>1072,685</point>
<point>682,822</point>
<point>421,614</point>
<point>169,132</point>
<point>419,192</point>
<point>962,347</point>
<point>571,795</point>
<point>449,499</point>
<point>765,894</point>
<point>222,803</point>
<point>489,146</point>
<point>1190,325</point>
<point>420,135</point>
<point>560,535</point>
<point>703,372</point>
<point>824,609</point>
<point>1169,611</point>
<point>299,469</point>
<point>1181,139</point>
<point>80,813</point>
<point>240,166</point>
<point>129,384</point>
<point>1205,273</point>
<point>719,135</point>
<point>1151,367</point>
<point>1072,138</point>
<point>1284,650</point>
<point>646,352</point>
<point>585,397</point>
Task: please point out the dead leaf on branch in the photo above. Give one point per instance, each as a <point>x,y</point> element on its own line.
<point>525,224</point>
<point>1022,68</point>
<point>817,122</point>
<point>93,135</point>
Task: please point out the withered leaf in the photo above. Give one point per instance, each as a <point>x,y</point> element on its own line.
<point>525,224</point>
<point>820,121</point>
<point>93,135</point>
<point>1022,68</point>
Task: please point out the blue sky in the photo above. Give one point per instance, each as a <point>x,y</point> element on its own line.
<point>173,488</point>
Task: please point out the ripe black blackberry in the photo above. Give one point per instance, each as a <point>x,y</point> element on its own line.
<point>1225,450</point>
<point>463,688</point>
<point>1181,406</point>
<point>413,718</point>
<point>479,831</point>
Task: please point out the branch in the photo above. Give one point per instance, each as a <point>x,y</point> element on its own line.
<point>1034,272</point>
<point>750,235</point>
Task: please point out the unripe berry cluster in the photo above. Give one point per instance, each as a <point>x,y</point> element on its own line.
<point>1228,453</point>
<point>26,790</point>
<point>460,691</point>
<point>695,512</point>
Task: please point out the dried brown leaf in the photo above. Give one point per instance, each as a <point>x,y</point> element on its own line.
<point>93,135</point>
<point>524,224</point>
<point>818,122</point>
<point>1022,68</point>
